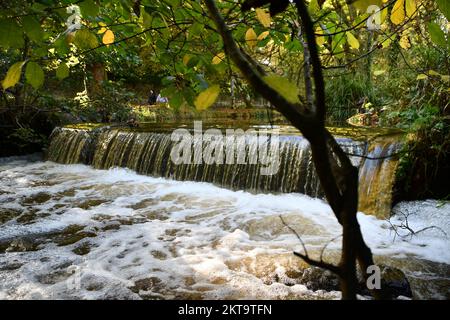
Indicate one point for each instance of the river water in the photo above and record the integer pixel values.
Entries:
(74, 232)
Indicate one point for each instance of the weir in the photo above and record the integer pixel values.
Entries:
(149, 152)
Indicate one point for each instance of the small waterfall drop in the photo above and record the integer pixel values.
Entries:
(149, 153)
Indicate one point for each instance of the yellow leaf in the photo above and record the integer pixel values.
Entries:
(404, 42)
(251, 38)
(207, 98)
(410, 7)
(13, 75)
(421, 76)
(320, 40)
(102, 24)
(386, 42)
(102, 30)
(383, 14)
(378, 72)
(284, 87)
(108, 37)
(218, 58)
(186, 59)
(352, 41)
(433, 73)
(445, 78)
(263, 17)
(263, 35)
(398, 12)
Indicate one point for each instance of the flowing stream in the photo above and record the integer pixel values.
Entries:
(106, 219)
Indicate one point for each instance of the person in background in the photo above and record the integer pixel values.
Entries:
(152, 97)
(161, 99)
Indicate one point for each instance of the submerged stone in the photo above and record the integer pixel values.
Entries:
(38, 198)
(8, 214)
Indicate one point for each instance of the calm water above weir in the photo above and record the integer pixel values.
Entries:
(98, 231)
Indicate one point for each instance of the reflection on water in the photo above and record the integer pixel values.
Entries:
(70, 231)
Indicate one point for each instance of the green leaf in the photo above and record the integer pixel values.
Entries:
(352, 41)
(207, 98)
(62, 72)
(85, 39)
(284, 87)
(61, 45)
(378, 72)
(32, 28)
(421, 76)
(313, 7)
(13, 75)
(362, 5)
(176, 101)
(89, 8)
(34, 74)
(436, 34)
(444, 6)
(10, 34)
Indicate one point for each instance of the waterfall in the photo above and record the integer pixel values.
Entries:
(149, 153)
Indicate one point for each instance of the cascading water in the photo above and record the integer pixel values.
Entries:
(149, 153)
(73, 231)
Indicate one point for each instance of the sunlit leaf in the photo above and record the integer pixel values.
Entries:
(320, 40)
(284, 87)
(313, 7)
(108, 37)
(34, 74)
(411, 7)
(263, 35)
(404, 42)
(378, 72)
(13, 75)
(62, 72)
(251, 38)
(433, 73)
(398, 12)
(102, 30)
(207, 98)
(352, 41)
(422, 76)
(218, 58)
(263, 17)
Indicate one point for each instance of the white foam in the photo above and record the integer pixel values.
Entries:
(190, 238)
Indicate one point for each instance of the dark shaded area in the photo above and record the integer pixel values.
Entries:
(424, 167)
